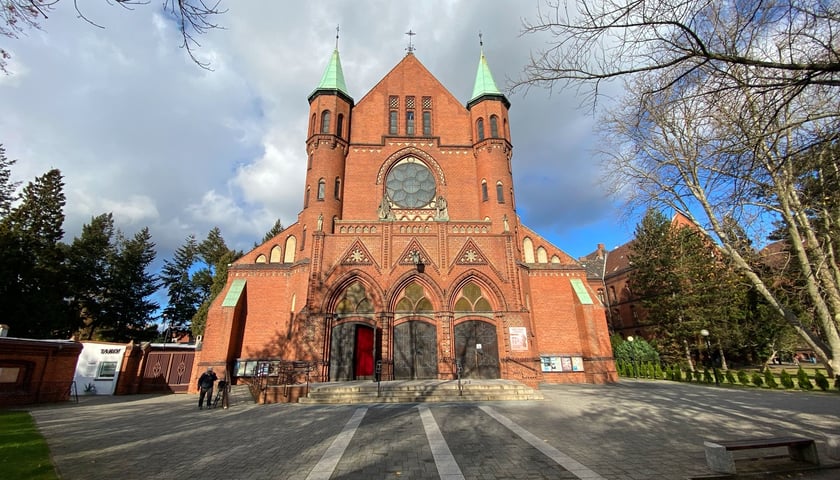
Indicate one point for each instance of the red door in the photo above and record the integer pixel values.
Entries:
(364, 351)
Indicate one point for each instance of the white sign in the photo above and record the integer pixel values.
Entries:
(518, 338)
(478, 346)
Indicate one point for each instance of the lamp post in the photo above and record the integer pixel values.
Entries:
(633, 356)
(705, 334)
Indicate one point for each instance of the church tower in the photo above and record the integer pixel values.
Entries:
(326, 148)
(408, 260)
(488, 109)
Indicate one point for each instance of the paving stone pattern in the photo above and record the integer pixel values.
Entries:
(631, 430)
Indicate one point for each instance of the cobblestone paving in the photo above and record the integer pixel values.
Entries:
(631, 430)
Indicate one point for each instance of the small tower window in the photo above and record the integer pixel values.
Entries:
(427, 124)
(322, 185)
(500, 193)
(479, 127)
(306, 198)
(409, 122)
(339, 126)
(325, 121)
(392, 123)
(303, 239)
(309, 162)
(484, 194)
(312, 125)
(494, 126)
(337, 192)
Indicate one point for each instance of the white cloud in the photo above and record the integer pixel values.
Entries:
(141, 131)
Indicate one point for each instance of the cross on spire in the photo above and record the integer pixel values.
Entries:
(410, 43)
(336, 36)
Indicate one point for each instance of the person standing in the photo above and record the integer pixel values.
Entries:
(205, 385)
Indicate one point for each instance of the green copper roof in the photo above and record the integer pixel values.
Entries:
(333, 78)
(484, 83)
(581, 292)
(233, 294)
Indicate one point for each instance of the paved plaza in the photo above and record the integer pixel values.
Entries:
(630, 430)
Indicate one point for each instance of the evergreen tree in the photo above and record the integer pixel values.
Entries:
(684, 287)
(89, 257)
(7, 187)
(176, 276)
(276, 229)
(131, 288)
(212, 277)
(33, 292)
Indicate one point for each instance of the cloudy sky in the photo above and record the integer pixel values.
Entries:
(139, 130)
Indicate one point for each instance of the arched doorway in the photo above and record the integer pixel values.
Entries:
(477, 349)
(415, 350)
(352, 352)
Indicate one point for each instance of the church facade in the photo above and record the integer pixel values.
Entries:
(408, 259)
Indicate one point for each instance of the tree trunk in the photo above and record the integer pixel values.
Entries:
(769, 360)
(688, 356)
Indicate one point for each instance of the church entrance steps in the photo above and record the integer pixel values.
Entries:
(412, 391)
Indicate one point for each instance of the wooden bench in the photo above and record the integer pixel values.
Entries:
(719, 454)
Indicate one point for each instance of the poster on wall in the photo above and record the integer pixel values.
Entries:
(577, 364)
(566, 362)
(518, 339)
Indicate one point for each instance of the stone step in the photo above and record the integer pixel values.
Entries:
(419, 391)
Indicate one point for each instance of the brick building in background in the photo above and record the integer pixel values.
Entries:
(409, 252)
(609, 273)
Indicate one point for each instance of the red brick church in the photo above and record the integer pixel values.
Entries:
(408, 252)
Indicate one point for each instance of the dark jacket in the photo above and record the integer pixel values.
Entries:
(206, 380)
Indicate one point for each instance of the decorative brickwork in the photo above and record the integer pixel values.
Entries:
(418, 285)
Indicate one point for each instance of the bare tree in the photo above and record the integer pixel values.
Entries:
(194, 18)
(731, 109)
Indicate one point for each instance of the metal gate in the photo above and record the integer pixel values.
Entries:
(477, 349)
(415, 351)
(167, 372)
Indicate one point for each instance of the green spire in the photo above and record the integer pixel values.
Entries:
(484, 84)
(333, 79)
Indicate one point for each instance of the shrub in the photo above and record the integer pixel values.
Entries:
(730, 377)
(707, 376)
(821, 381)
(786, 379)
(678, 374)
(769, 379)
(757, 379)
(697, 376)
(804, 381)
(743, 378)
(657, 371)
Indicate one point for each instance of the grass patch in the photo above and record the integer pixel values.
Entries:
(23, 451)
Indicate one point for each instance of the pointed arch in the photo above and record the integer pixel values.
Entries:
(260, 259)
(336, 290)
(528, 250)
(339, 125)
(276, 255)
(490, 291)
(542, 255)
(479, 129)
(432, 290)
(484, 193)
(291, 241)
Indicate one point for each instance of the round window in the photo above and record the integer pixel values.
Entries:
(410, 185)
